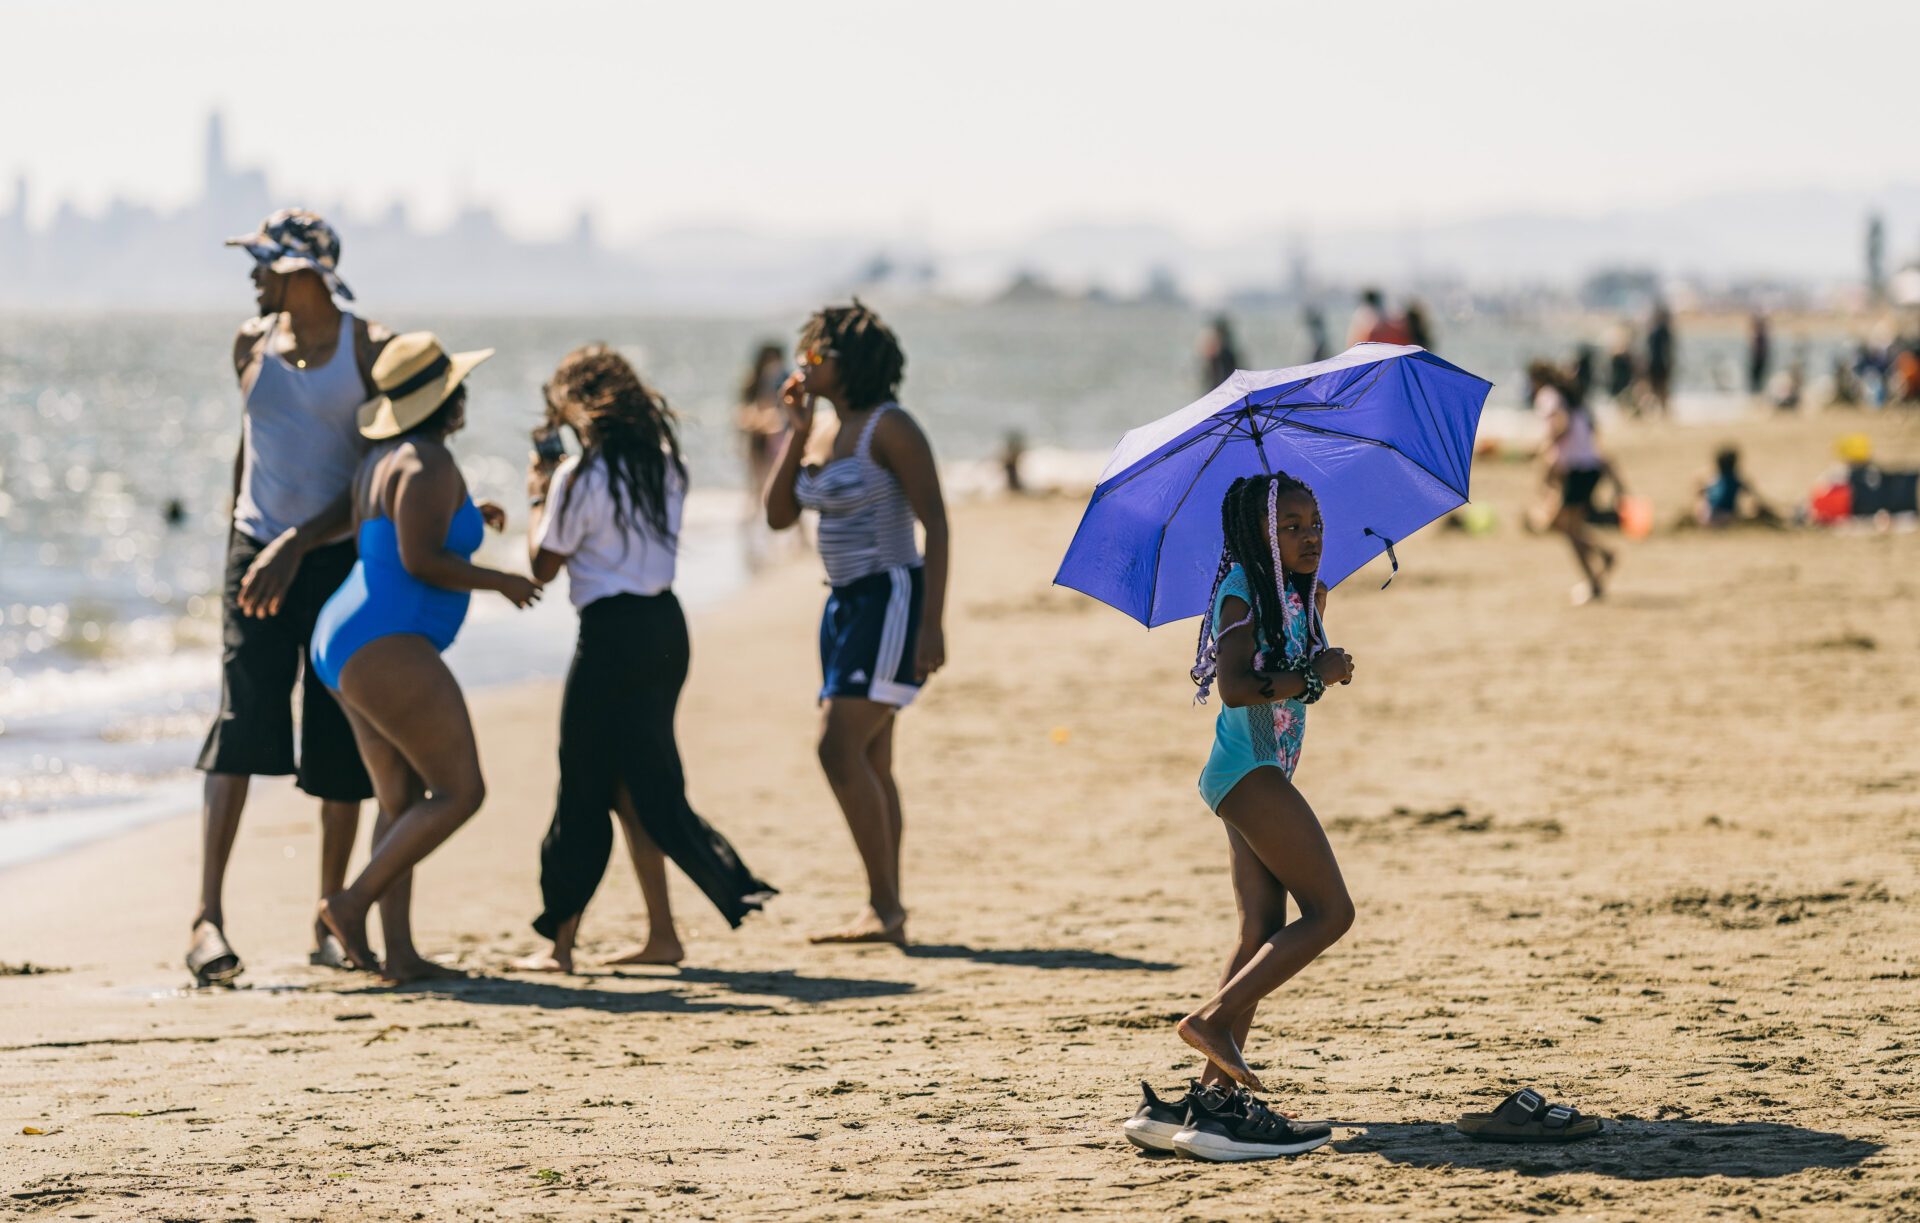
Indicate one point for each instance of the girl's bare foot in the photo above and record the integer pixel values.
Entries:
(544, 961)
(1216, 1044)
(658, 950)
(351, 929)
(869, 927)
(415, 967)
(327, 951)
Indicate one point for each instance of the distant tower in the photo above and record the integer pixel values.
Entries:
(18, 213)
(215, 174)
(1876, 258)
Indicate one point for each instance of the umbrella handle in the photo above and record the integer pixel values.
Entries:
(1390, 556)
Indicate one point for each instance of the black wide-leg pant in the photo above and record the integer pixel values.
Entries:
(616, 724)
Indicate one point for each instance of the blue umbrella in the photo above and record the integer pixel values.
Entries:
(1383, 433)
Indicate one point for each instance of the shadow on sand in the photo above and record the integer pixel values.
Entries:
(1052, 957)
(1626, 1150)
(670, 995)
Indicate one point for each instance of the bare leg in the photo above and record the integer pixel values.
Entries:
(849, 729)
(560, 959)
(398, 787)
(399, 690)
(223, 797)
(339, 828)
(1275, 823)
(650, 866)
(1569, 523)
(880, 757)
(1262, 902)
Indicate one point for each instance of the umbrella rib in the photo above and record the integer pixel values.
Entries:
(1160, 541)
(1144, 466)
(1427, 407)
(1373, 441)
(1379, 372)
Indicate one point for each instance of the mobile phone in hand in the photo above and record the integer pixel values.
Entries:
(548, 445)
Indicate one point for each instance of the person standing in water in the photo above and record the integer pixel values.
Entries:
(1759, 354)
(1218, 356)
(377, 642)
(882, 634)
(1660, 359)
(1317, 342)
(611, 517)
(304, 366)
(1263, 641)
(761, 421)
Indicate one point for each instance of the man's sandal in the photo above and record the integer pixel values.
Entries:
(212, 961)
(1525, 1116)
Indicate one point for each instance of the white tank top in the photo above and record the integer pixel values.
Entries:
(301, 443)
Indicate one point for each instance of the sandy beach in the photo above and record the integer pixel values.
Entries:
(1657, 857)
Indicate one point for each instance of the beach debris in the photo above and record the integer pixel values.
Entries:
(1060, 734)
(27, 968)
(349, 1018)
(383, 1034)
(28, 1129)
(158, 1112)
(546, 1176)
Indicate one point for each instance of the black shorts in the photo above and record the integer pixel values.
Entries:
(1576, 490)
(260, 660)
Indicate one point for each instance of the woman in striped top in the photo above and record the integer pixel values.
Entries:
(881, 635)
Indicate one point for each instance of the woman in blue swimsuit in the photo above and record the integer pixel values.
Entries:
(378, 639)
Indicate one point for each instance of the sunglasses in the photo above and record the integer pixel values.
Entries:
(818, 356)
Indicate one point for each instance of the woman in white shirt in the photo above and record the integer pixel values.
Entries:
(612, 518)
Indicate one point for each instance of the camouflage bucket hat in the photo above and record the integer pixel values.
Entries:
(294, 239)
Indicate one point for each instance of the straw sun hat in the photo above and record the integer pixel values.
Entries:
(415, 375)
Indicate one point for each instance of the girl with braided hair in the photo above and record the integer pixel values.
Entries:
(612, 517)
(1263, 646)
(880, 636)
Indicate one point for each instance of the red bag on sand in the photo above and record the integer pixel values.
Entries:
(1831, 503)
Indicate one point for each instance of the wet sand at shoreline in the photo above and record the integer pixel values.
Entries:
(1656, 857)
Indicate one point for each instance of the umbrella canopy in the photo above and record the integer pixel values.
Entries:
(1383, 433)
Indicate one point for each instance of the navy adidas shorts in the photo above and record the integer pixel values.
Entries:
(867, 638)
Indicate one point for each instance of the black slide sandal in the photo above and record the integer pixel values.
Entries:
(1526, 1116)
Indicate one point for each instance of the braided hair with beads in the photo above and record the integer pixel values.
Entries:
(1252, 503)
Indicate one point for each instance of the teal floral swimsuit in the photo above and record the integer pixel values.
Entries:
(1256, 736)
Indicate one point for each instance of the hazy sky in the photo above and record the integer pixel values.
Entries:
(962, 121)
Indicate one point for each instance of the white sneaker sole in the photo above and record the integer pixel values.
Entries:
(1156, 1136)
(1198, 1144)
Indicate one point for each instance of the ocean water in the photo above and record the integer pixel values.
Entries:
(109, 604)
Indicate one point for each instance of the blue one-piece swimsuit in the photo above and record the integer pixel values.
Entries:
(380, 598)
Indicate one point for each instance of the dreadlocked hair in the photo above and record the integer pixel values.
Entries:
(869, 356)
(625, 424)
(1251, 504)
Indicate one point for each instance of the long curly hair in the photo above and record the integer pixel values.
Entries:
(1251, 503)
(624, 423)
(869, 356)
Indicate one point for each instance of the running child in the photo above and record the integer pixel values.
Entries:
(1264, 644)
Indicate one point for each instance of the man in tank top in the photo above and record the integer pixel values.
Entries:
(305, 366)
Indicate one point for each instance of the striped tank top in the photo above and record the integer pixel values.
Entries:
(866, 523)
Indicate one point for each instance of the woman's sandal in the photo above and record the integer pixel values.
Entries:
(1525, 1116)
(212, 961)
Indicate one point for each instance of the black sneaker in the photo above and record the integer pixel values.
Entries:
(1153, 1127)
(1241, 1127)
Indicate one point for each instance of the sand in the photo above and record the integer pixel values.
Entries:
(1656, 857)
